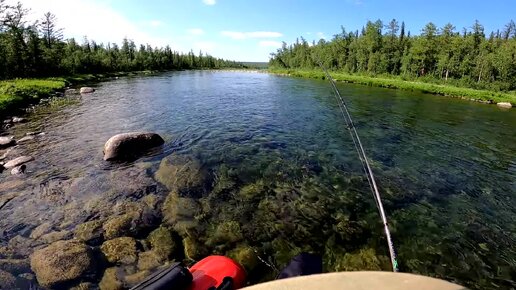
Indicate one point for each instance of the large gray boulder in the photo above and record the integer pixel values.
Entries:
(129, 145)
(61, 262)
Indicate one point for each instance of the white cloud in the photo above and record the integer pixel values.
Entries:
(209, 2)
(96, 20)
(254, 34)
(195, 31)
(155, 23)
(270, 43)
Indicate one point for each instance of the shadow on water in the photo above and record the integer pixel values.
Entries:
(283, 174)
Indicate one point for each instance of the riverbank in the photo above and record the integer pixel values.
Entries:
(20, 93)
(484, 96)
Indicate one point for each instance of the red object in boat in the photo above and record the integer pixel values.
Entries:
(211, 271)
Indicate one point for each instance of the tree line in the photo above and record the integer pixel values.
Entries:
(38, 49)
(444, 55)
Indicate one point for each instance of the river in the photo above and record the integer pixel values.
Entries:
(283, 176)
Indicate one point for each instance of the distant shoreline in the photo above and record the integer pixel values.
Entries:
(482, 96)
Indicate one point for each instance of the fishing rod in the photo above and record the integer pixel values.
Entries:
(365, 164)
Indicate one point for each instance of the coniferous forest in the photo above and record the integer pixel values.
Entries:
(470, 57)
(38, 49)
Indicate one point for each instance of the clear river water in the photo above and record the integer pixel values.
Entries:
(283, 176)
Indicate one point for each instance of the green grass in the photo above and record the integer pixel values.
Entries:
(445, 90)
(20, 92)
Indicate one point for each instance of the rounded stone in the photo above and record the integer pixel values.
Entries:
(120, 250)
(128, 145)
(86, 90)
(60, 262)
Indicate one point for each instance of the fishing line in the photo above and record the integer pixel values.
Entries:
(365, 165)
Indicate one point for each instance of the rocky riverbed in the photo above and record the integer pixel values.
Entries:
(145, 215)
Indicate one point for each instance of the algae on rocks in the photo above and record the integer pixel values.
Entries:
(181, 213)
(89, 232)
(162, 242)
(61, 262)
(120, 250)
(183, 174)
(111, 280)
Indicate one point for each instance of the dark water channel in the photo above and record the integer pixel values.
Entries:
(282, 175)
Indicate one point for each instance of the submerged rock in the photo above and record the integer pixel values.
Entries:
(111, 280)
(19, 170)
(226, 232)
(120, 250)
(7, 280)
(26, 139)
(86, 90)
(182, 174)
(245, 256)
(5, 153)
(61, 262)
(181, 212)
(41, 230)
(365, 259)
(7, 141)
(18, 161)
(149, 260)
(128, 145)
(55, 236)
(133, 279)
(506, 105)
(118, 226)
(193, 249)
(162, 242)
(89, 232)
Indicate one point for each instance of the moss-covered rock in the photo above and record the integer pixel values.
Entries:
(149, 260)
(193, 249)
(133, 279)
(55, 236)
(363, 260)
(60, 262)
(89, 232)
(7, 280)
(226, 232)
(111, 280)
(151, 200)
(118, 226)
(136, 218)
(41, 230)
(120, 250)
(162, 242)
(181, 212)
(245, 256)
(182, 174)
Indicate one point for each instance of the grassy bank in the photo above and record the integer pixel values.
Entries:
(19, 93)
(15, 94)
(451, 91)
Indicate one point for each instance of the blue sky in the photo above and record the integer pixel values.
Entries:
(247, 30)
